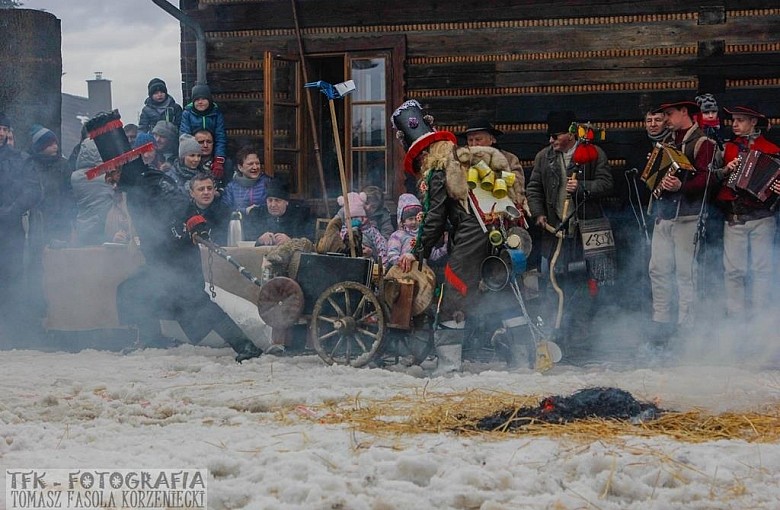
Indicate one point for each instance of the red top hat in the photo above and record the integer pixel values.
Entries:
(416, 132)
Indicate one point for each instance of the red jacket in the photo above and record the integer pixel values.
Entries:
(727, 197)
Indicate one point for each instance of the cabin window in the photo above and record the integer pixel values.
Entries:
(368, 105)
(301, 142)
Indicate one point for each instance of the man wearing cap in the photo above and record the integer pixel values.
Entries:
(166, 138)
(281, 219)
(673, 264)
(21, 190)
(557, 178)
(749, 228)
(481, 133)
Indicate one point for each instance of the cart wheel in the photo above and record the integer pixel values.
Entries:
(347, 324)
(280, 302)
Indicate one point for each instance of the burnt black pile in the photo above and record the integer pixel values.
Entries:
(609, 403)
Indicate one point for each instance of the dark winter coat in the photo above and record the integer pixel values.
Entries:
(153, 112)
(183, 250)
(21, 190)
(212, 119)
(468, 245)
(156, 206)
(181, 176)
(52, 218)
(295, 222)
(543, 189)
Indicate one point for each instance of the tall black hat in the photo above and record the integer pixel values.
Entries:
(112, 144)
(415, 131)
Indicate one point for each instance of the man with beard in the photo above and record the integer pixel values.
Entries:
(21, 190)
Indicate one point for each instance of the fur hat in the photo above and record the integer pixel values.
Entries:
(559, 122)
(415, 131)
(188, 145)
(357, 203)
(166, 129)
(157, 85)
(408, 206)
(201, 91)
(4, 120)
(481, 124)
(707, 103)
(278, 188)
(40, 138)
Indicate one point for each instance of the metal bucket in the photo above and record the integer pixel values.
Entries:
(496, 270)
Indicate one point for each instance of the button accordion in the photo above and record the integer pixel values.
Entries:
(755, 174)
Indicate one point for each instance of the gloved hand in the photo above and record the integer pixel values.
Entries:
(197, 225)
(218, 167)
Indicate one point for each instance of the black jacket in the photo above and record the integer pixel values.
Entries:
(295, 222)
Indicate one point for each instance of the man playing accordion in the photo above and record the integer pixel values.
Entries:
(749, 228)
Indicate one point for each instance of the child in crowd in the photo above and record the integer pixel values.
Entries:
(374, 245)
(203, 113)
(249, 186)
(187, 166)
(401, 243)
(158, 106)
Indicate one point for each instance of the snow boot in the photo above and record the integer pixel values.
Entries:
(449, 350)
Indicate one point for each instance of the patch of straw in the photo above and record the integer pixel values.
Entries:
(425, 412)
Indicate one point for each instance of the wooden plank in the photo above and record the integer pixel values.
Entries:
(278, 14)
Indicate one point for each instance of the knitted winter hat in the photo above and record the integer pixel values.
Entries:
(142, 139)
(4, 120)
(89, 156)
(188, 145)
(201, 92)
(357, 202)
(156, 85)
(408, 206)
(41, 138)
(707, 103)
(166, 129)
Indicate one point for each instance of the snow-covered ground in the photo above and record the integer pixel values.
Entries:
(251, 426)
(257, 428)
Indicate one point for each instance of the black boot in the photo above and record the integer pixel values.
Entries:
(247, 351)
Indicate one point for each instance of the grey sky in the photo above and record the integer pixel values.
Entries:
(129, 41)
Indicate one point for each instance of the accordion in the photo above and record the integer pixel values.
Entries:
(755, 174)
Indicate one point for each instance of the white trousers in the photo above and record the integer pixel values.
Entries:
(673, 269)
(748, 250)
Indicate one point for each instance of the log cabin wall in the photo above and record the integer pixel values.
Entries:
(511, 61)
